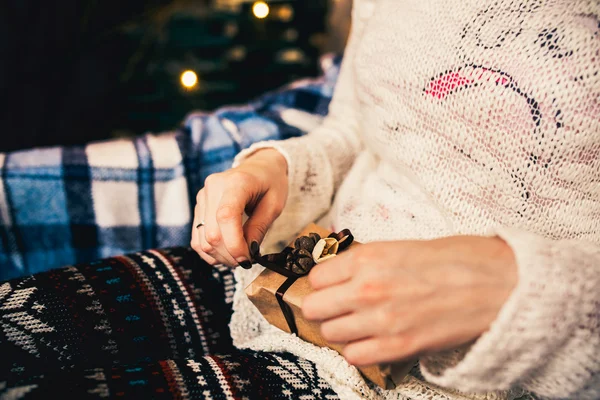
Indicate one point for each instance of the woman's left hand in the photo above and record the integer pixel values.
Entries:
(390, 301)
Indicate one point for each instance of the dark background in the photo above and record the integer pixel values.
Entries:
(72, 71)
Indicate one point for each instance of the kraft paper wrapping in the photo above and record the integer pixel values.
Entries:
(261, 293)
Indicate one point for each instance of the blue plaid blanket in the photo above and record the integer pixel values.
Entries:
(65, 205)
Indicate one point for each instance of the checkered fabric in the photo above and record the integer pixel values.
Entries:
(60, 205)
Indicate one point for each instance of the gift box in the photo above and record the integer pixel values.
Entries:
(278, 292)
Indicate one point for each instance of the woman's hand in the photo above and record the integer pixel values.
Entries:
(257, 187)
(395, 300)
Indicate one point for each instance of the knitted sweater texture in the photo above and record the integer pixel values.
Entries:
(476, 117)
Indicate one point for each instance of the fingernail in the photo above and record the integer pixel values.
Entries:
(254, 247)
(245, 264)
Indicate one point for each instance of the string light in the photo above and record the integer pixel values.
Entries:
(189, 79)
(285, 13)
(260, 9)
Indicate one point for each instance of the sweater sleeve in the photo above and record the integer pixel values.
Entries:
(546, 338)
(318, 162)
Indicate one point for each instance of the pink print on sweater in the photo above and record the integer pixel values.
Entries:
(452, 81)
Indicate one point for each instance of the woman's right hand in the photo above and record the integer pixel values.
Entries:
(258, 187)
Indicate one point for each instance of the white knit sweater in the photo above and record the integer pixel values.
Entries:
(465, 117)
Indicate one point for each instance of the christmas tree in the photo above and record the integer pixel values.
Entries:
(229, 53)
(81, 70)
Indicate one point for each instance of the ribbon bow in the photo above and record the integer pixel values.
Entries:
(276, 262)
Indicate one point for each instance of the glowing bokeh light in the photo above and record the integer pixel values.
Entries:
(260, 9)
(189, 79)
(285, 13)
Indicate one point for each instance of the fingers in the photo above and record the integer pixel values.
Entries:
(382, 349)
(198, 243)
(332, 272)
(220, 206)
(263, 216)
(212, 231)
(361, 324)
(328, 303)
(417, 332)
(229, 216)
(259, 186)
(430, 336)
(347, 328)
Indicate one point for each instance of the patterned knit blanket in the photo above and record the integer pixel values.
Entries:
(65, 205)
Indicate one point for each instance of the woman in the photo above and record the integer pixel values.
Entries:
(462, 146)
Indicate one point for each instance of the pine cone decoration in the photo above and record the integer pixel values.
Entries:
(299, 261)
(305, 243)
(307, 252)
(314, 236)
